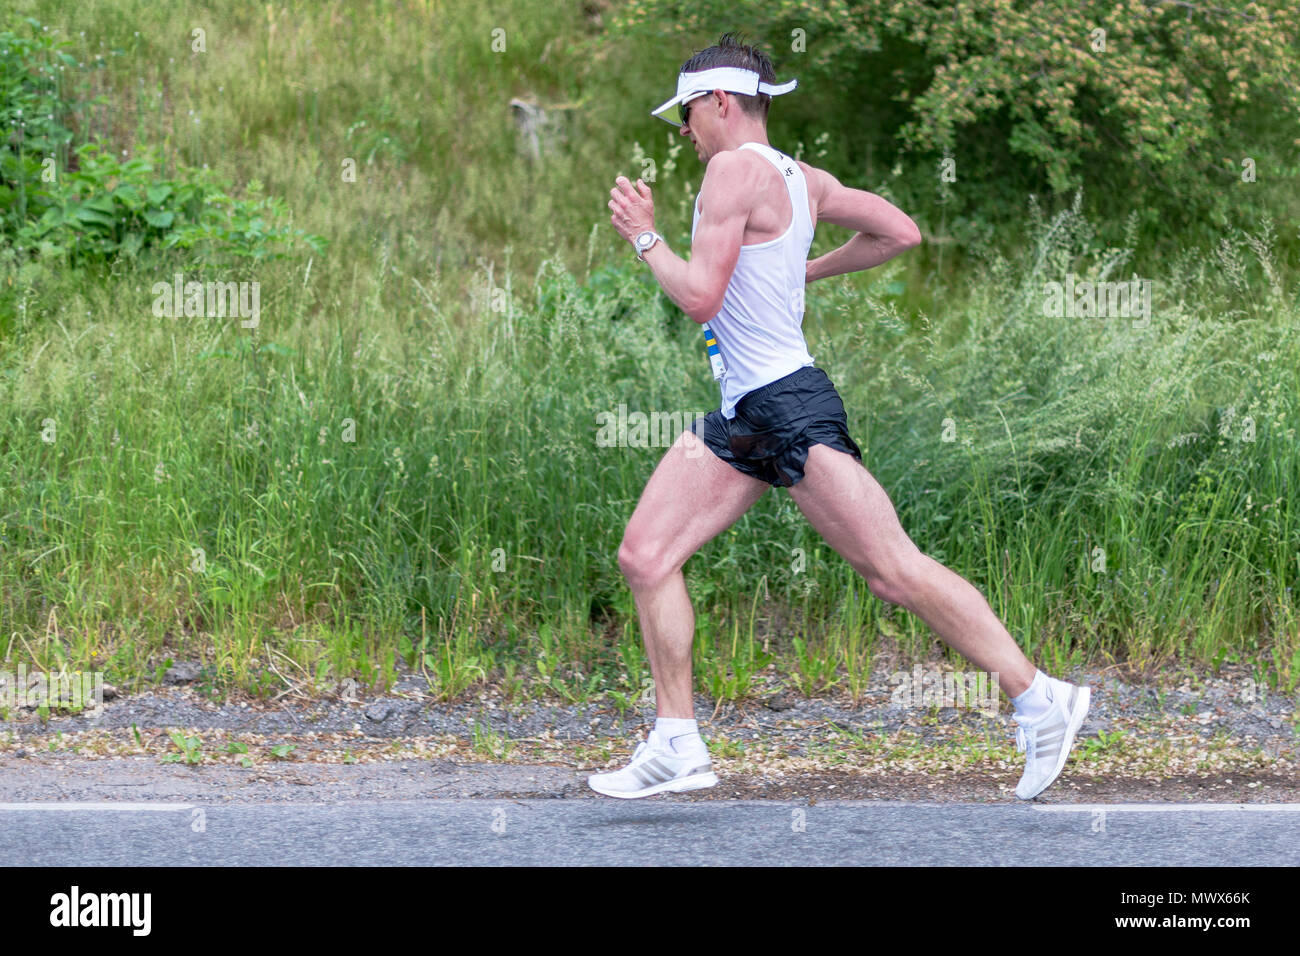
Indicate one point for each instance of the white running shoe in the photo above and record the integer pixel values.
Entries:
(656, 768)
(1048, 739)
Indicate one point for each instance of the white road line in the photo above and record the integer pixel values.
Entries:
(129, 807)
(1168, 807)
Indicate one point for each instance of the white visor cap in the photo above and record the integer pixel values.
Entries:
(733, 79)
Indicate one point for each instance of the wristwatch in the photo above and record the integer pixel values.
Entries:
(644, 241)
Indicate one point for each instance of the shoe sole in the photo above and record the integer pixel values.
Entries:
(697, 781)
(1072, 728)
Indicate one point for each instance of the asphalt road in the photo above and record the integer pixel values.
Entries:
(629, 833)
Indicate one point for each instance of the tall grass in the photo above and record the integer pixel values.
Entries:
(392, 484)
(401, 463)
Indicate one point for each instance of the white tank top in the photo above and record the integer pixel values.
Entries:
(759, 330)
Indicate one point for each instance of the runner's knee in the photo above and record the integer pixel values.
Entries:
(893, 583)
(641, 562)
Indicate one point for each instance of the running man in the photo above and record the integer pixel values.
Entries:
(781, 421)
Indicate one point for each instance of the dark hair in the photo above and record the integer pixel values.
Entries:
(733, 51)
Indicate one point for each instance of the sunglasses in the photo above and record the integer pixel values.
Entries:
(684, 110)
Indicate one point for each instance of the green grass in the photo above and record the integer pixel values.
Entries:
(399, 465)
(189, 749)
(490, 743)
(200, 497)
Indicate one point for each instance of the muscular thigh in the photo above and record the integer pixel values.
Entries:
(692, 496)
(849, 508)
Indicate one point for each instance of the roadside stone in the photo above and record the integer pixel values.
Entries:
(182, 673)
(378, 712)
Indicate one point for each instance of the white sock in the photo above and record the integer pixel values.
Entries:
(680, 734)
(1034, 702)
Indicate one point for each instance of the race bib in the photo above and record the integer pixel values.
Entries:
(715, 357)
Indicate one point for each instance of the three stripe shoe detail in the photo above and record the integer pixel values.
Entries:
(656, 768)
(1046, 742)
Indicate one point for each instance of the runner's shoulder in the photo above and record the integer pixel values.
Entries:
(737, 173)
(819, 180)
(735, 162)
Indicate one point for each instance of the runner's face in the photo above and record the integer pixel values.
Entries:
(686, 110)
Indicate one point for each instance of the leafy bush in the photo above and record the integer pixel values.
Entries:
(1156, 112)
(110, 207)
(104, 206)
(32, 115)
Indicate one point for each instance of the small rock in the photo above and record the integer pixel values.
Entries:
(182, 673)
(20, 753)
(780, 702)
(110, 692)
(378, 712)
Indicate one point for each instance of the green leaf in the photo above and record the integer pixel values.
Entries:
(159, 219)
(128, 195)
(104, 204)
(93, 216)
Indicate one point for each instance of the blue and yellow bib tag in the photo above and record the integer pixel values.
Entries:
(715, 357)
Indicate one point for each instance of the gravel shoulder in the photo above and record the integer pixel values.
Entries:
(1186, 739)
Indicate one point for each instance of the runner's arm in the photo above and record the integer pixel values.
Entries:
(883, 230)
(698, 285)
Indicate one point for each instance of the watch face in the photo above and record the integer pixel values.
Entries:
(644, 240)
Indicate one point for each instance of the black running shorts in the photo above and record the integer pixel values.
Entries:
(776, 424)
